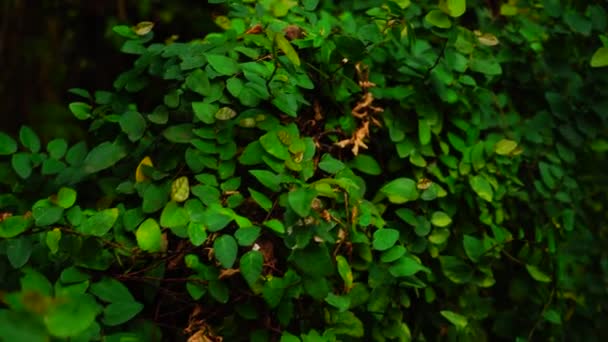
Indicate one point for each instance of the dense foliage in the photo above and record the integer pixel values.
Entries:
(324, 172)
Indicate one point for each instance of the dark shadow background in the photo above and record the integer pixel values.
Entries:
(50, 46)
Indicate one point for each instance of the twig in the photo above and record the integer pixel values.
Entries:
(428, 72)
(542, 313)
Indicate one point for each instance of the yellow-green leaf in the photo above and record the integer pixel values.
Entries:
(284, 45)
(180, 189)
(139, 175)
(600, 58)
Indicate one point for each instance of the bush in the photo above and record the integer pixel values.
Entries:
(324, 172)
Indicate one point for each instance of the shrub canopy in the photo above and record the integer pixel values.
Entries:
(324, 172)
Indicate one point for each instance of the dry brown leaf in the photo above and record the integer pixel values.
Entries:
(228, 273)
(257, 28)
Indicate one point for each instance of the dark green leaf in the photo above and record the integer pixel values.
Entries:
(251, 266)
(121, 312)
(57, 148)
(133, 124)
(22, 164)
(385, 238)
(300, 200)
(225, 249)
(366, 164)
(103, 156)
(29, 139)
(222, 64)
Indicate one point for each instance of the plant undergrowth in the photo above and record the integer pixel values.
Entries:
(324, 171)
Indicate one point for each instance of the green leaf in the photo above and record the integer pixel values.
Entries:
(314, 261)
(111, 290)
(505, 146)
(552, 316)
(440, 219)
(366, 164)
(197, 233)
(18, 326)
(346, 323)
(66, 197)
(400, 190)
(133, 124)
(76, 154)
(100, 223)
(508, 10)
(174, 216)
(205, 111)
(268, 179)
(198, 82)
(537, 274)
(261, 199)
(488, 66)
(458, 320)
(155, 198)
(252, 154)
(234, 86)
(7, 144)
(18, 251)
(149, 236)
(439, 19)
(29, 139)
(300, 200)
(121, 312)
(473, 247)
(222, 64)
(287, 337)
(34, 281)
(225, 249)
(275, 225)
(271, 144)
(287, 103)
(81, 110)
(599, 58)
(22, 164)
(330, 164)
(195, 290)
(14, 225)
(403, 4)
(310, 5)
(57, 148)
(103, 156)
(180, 134)
(71, 275)
(71, 316)
(453, 8)
(46, 214)
(406, 266)
(568, 219)
(456, 269)
(246, 236)
(219, 291)
(251, 265)
(342, 303)
(385, 238)
(217, 218)
(482, 187)
(52, 240)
